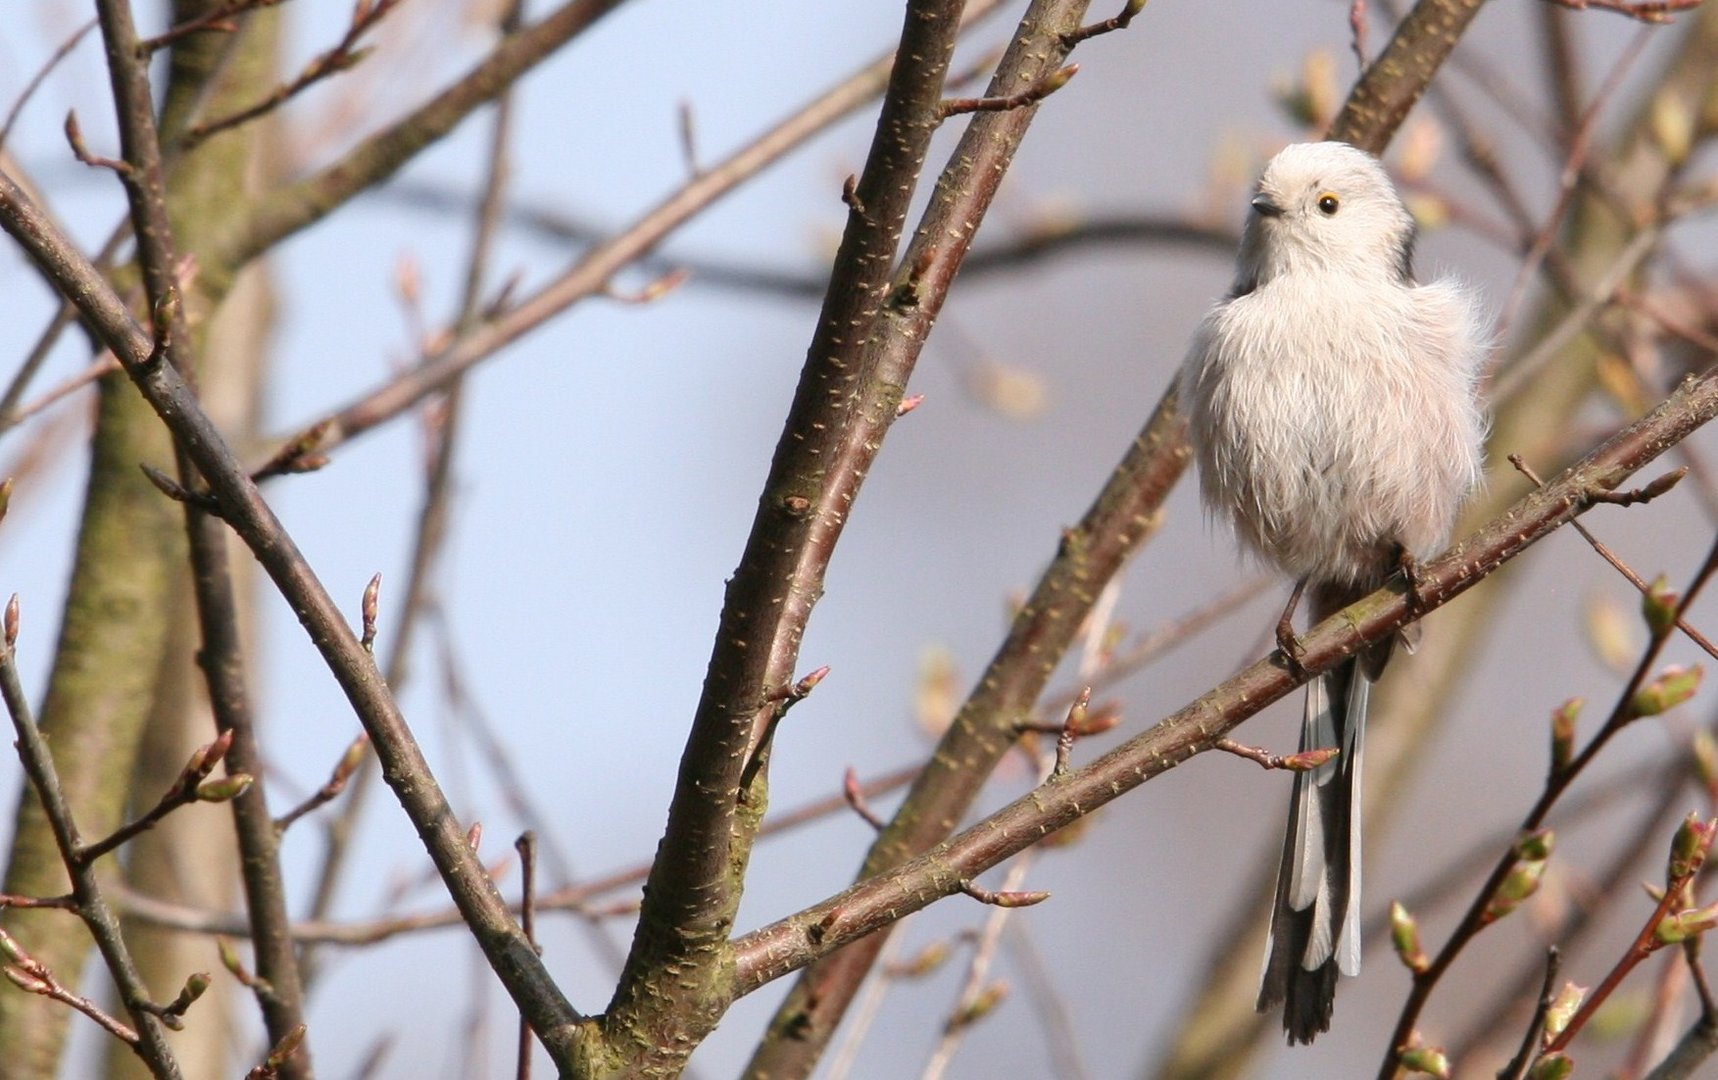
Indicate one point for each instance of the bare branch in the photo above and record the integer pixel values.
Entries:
(1646, 11)
(511, 956)
(148, 1039)
(591, 274)
(878, 900)
(1032, 95)
(222, 651)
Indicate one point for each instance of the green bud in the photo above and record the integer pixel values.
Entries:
(1405, 936)
(1552, 1067)
(1676, 685)
(225, 789)
(1536, 846)
(1428, 1060)
(1689, 846)
(1533, 852)
(286, 1047)
(1705, 751)
(1658, 606)
(1683, 925)
(229, 956)
(924, 962)
(981, 1004)
(1673, 125)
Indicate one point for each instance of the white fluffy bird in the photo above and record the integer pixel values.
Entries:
(1332, 409)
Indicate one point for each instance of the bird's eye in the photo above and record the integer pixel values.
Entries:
(1328, 204)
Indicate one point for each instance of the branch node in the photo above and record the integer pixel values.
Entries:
(850, 195)
(171, 488)
(298, 455)
(1305, 761)
(1643, 494)
(1032, 95)
(75, 138)
(372, 593)
(855, 797)
(1117, 22)
(1002, 899)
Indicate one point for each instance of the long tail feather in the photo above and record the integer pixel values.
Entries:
(1315, 919)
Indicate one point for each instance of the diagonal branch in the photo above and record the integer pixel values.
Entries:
(591, 273)
(876, 902)
(302, 204)
(519, 967)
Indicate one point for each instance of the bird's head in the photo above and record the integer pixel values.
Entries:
(1326, 207)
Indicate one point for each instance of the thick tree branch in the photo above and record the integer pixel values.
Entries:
(675, 979)
(1122, 518)
(877, 902)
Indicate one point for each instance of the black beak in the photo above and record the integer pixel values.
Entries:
(1263, 205)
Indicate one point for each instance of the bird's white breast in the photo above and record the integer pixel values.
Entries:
(1334, 422)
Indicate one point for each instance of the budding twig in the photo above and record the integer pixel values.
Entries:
(1032, 95)
(186, 789)
(1644, 494)
(855, 796)
(355, 755)
(1006, 898)
(32, 976)
(785, 698)
(1116, 22)
(1305, 761)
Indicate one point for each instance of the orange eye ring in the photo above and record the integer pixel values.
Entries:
(1328, 203)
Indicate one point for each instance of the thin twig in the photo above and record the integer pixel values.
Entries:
(591, 274)
(343, 56)
(218, 18)
(148, 1039)
(41, 76)
(1646, 11)
(1357, 33)
(32, 976)
(356, 753)
(1517, 1066)
(1609, 556)
(576, 898)
(1032, 95)
(222, 651)
(182, 792)
(1557, 782)
(977, 996)
(1579, 143)
(1120, 21)
(526, 845)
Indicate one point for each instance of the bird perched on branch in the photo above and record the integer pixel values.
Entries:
(1331, 404)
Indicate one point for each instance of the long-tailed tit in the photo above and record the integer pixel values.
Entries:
(1332, 408)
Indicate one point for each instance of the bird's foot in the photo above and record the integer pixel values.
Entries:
(1291, 647)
